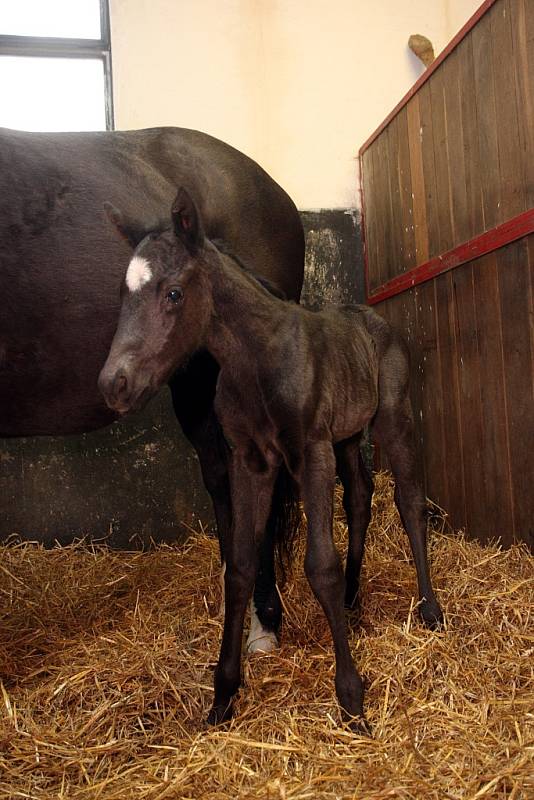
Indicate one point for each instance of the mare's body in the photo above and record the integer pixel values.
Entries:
(295, 390)
(62, 264)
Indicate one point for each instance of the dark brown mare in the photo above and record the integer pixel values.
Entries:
(62, 265)
(295, 389)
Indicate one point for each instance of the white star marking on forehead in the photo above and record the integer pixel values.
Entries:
(138, 273)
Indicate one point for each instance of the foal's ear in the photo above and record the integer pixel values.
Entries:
(132, 231)
(186, 221)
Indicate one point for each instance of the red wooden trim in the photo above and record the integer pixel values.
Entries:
(481, 245)
(471, 22)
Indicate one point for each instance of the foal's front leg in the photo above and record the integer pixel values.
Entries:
(325, 574)
(251, 503)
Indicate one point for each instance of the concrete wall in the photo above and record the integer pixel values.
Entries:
(190, 63)
(296, 84)
(457, 12)
(128, 484)
(334, 258)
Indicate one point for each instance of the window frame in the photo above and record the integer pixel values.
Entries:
(61, 47)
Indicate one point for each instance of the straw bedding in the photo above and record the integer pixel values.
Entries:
(107, 660)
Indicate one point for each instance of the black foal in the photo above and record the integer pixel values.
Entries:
(296, 388)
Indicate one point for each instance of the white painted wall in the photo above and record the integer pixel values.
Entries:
(190, 63)
(457, 12)
(296, 84)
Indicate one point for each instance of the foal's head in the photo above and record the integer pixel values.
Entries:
(165, 307)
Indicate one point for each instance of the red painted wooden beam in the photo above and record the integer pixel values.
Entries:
(487, 242)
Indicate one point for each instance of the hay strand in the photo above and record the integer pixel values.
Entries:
(106, 660)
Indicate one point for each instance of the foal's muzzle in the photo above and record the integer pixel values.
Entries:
(121, 390)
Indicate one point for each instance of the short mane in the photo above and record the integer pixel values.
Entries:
(224, 249)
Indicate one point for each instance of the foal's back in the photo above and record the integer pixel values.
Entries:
(344, 349)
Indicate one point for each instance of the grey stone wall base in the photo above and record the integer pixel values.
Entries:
(133, 482)
(334, 258)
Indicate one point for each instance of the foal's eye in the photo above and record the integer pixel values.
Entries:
(174, 295)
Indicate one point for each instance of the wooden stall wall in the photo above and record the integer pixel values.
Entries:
(448, 197)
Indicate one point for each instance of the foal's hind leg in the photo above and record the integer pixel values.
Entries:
(393, 427)
(357, 495)
(324, 572)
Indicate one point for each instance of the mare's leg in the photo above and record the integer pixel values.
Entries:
(324, 571)
(193, 392)
(394, 429)
(265, 607)
(251, 496)
(357, 495)
(284, 519)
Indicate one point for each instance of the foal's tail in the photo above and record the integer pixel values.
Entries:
(285, 517)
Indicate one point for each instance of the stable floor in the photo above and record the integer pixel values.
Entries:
(106, 660)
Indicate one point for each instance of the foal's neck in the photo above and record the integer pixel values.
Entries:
(245, 317)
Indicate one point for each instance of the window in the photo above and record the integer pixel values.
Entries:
(55, 65)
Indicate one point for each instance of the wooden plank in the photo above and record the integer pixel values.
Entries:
(381, 202)
(441, 161)
(522, 16)
(382, 168)
(407, 309)
(468, 99)
(478, 522)
(370, 219)
(453, 450)
(530, 300)
(394, 267)
(513, 199)
(455, 151)
(428, 377)
(418, 180)
(487, 242)
(487, 119)
(515, 305)
(429, 170)
(460, 156)
(496, 452)
(405, 188)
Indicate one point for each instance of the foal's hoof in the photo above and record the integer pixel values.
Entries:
(352, 604)
(431, 614)
(354, 612)
(219, 715)
(359, 726)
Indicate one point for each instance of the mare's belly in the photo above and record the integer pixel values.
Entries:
(48, 384)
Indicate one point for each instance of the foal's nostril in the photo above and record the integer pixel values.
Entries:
(121, 386)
